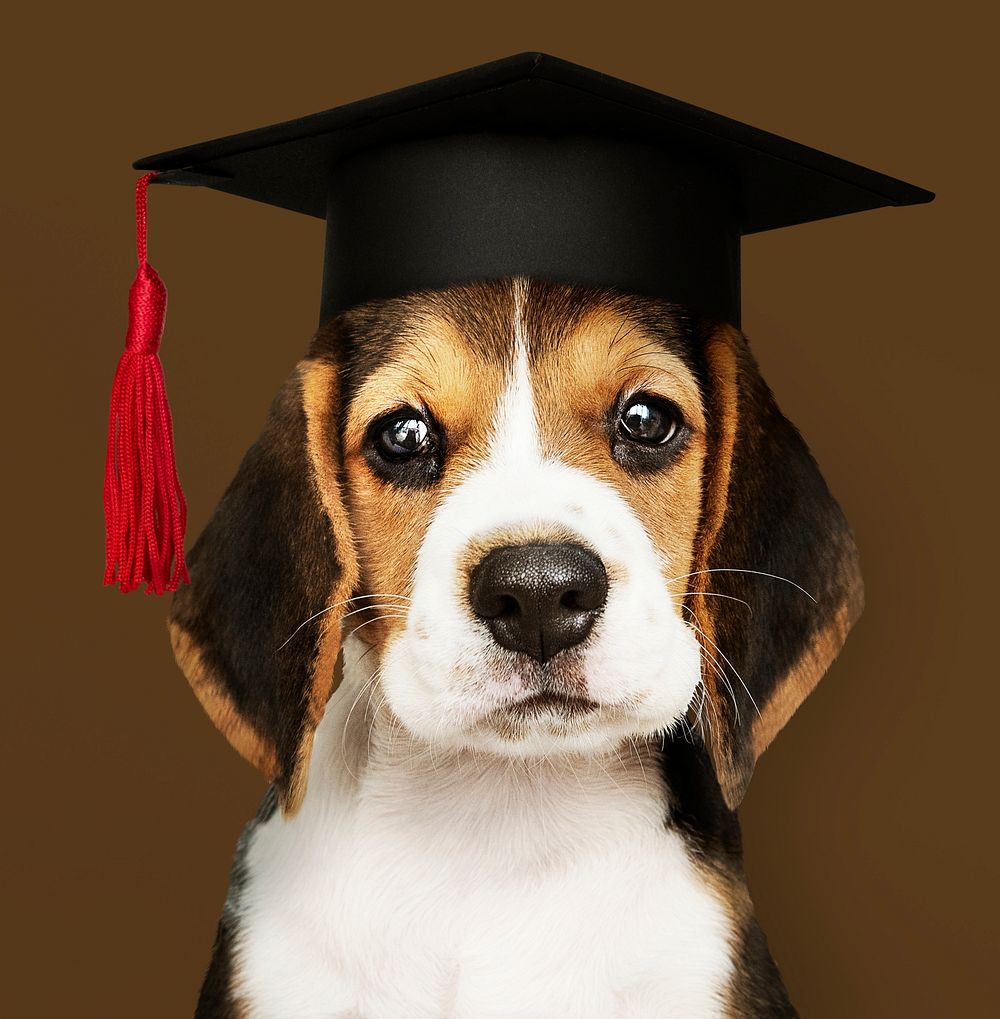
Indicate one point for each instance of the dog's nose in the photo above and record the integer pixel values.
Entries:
(539, 599)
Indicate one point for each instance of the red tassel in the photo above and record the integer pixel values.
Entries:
(144, 509)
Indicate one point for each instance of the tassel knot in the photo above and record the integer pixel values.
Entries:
(144, 509)
(147, 311)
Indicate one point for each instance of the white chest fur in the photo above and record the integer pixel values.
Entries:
(463, 888)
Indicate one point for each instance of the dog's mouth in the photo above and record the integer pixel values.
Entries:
(549, 702)
(546, 711)
(554, 718)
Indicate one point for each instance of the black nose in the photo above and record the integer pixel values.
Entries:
(539, 599)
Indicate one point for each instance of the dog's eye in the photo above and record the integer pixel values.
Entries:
(405, 448)
(403, 436)
(649, 420)
(647, 433)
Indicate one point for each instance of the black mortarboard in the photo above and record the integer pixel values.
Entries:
(527, 166)
(533, 166)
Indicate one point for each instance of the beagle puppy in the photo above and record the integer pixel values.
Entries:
(580, 571)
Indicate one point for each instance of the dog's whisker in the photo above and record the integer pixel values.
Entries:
(715, 594)
(614, 750)
(638, 756)
(759, 573)
(610, 777)
(372, 608)
(709, 707)
(376, 674)
(371, 728)
(306, 622)
(736, 671)
(367, 652)
(687, 733)
(720, 672)
(377, 619)
(347, 723)
(337, 604)
(701, 693)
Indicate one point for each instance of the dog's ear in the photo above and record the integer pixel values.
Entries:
(277, 552)
(766, 514)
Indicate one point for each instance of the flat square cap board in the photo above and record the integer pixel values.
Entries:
(532, 166)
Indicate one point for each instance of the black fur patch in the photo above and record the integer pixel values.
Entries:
(215, 1000)
(698, 808)
(757, 990)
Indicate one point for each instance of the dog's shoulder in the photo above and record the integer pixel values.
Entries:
(713, 833)
(216, 999)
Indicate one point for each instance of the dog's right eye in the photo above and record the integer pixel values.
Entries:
(403, 436)
(405, 447)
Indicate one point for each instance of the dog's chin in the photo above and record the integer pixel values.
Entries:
(544, 736)
(542, 726)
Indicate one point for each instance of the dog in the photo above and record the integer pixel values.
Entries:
(580, 570)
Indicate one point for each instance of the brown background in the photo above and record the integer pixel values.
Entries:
(870, 836)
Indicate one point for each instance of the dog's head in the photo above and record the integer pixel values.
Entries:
(561, 519)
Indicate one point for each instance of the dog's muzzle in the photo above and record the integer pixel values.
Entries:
(539, 599)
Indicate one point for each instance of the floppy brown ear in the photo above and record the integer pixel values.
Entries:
(276, 552)
(766, 511)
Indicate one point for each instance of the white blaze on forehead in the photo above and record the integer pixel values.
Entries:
(515, 439)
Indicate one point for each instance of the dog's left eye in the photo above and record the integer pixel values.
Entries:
(648, 433)
(403, 436)
(405, 448)
(649, 420)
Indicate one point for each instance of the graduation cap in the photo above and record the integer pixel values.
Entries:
(527, 166)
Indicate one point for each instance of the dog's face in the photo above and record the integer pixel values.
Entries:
(560, 519)
(524, 486)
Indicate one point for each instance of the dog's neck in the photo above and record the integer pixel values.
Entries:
(421, 870)
(537, 808)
